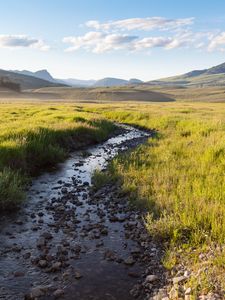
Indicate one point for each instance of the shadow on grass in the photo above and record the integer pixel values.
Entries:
(23, 156)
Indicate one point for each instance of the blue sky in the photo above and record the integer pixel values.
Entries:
(94, 38)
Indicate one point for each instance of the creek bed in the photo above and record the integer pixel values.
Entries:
(63, 241)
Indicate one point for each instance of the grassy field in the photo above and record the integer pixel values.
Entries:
(179, 176)
(33, 137)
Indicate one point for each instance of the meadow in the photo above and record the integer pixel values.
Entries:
(37, 136)
(178, 174)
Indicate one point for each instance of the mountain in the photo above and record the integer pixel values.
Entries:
(41, 74)
(77, 82)
(109, 82)
(45, 75)
(27, 81)
(135, 81)
(214, 76)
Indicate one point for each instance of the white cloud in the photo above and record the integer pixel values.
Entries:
(152, 42)
(167, 34)
(99, 42)
(147, 24)
(217, 42)
(167, 43)
(22, 41)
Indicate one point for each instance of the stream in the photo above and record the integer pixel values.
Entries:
(67, 242)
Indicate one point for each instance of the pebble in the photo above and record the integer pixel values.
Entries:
(179, 279)
(19, 274)
(129, 261)
(37, 292)
(58, 293)
(41, 242)
(151, 278)
(42, 263)
(77, 275)
(56, 266)
(188, 291)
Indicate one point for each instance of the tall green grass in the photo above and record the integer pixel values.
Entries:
(180, 176)
(34, 137)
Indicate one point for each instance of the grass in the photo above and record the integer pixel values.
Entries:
(179, 175)
(33, 137)
(10, 187)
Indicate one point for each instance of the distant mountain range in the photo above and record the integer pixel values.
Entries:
(42, 74)
(214, 76)
(105, 82)
(77, 82)
(108, 81)
(27, 81)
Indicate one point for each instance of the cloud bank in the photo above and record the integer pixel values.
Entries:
(149, 33)
(217, 42)
(147, 24)
(100, 42)
(130, 35)
(22, 41)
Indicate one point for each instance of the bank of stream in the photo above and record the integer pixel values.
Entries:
(69, 243)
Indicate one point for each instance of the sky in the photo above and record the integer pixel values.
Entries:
(92, 39)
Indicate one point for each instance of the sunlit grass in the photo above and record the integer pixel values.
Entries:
(33, 137)
(180, 176)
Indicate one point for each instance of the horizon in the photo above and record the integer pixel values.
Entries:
(96, 79)
(120, 39)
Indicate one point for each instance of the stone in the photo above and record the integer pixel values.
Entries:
(187, 273)
(16, 248)
(19, 222)
(173, 294)
(104, 231)
(188, 291)
(47, 235)
(151, 278)
(136, 251)
(42, 263)
(133, 274)
(58, 293)
(56, 266)
(41, 242)
(177, 280)
(19, 274)
(77, 275)
(64, 190)
(37, 292)
(27, 255)
(129, 261)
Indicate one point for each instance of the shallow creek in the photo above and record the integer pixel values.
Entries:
(62, 239)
